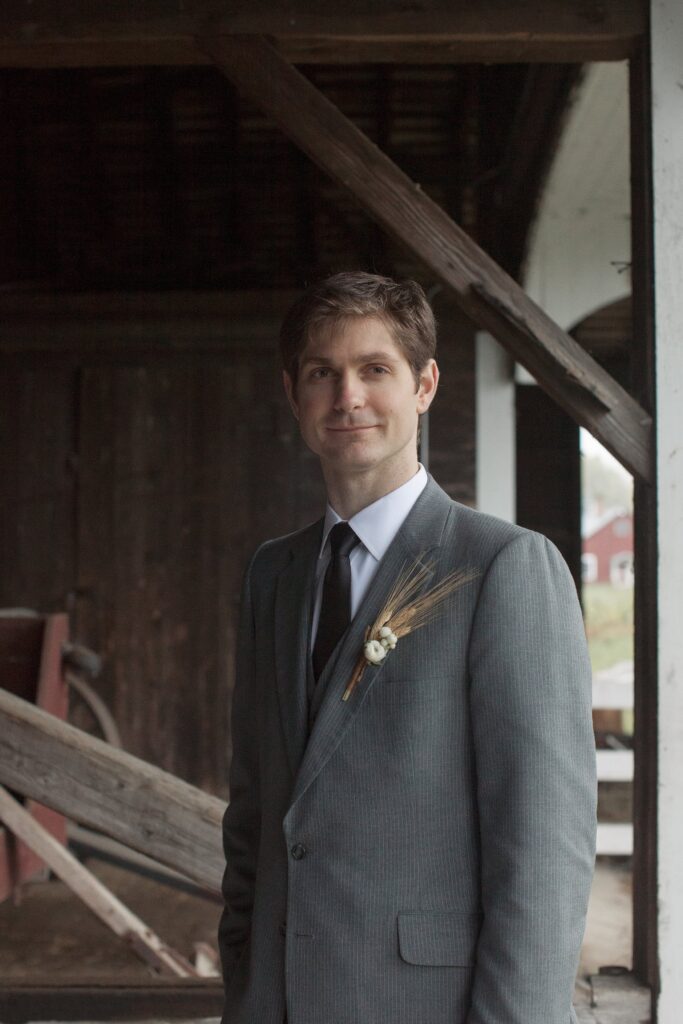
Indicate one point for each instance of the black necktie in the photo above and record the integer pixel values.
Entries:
(335, 609)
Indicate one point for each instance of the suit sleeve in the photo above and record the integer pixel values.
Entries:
(241, 822)
(536, 784)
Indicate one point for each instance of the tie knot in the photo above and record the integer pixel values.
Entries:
(342, 540)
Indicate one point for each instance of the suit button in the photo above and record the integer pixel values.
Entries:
(283, 928)
(298, 851)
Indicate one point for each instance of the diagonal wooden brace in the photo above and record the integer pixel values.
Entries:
(107, 789)
(486, 293)
(110, 910)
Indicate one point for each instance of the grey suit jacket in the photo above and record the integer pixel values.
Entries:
(423, 853)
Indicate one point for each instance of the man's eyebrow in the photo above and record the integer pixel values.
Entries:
(367, 357)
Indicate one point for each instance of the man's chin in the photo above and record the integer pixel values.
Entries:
(351, 457)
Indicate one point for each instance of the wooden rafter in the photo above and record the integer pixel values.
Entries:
(484, 291)
(73, 34)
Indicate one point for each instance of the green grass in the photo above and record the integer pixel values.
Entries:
(608, 612)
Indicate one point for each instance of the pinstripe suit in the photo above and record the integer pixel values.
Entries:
(421, 854)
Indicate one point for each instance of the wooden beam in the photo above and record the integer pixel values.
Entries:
(73, 34)
(125, 999)
(493, 300)
(107, 789)
(645, 789)
(110, 910)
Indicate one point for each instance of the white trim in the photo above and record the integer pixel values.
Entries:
(667, 169)
(614, 840)
(615, 765)
(580, 242)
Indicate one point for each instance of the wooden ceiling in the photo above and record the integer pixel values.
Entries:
(70, 33)
(162, 177)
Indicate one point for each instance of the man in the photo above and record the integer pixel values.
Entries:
(418, 850)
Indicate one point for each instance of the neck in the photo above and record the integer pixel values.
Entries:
(349, 493)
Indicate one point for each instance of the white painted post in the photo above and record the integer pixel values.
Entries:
(667, 157)
(496, 429)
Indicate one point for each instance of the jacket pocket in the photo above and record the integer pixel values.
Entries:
(438, 938)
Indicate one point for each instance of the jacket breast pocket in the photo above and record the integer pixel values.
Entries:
(438, 938)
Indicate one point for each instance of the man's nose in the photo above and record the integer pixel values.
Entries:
(349, 393)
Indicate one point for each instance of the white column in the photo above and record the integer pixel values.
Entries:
(667, 157)
(495, 433)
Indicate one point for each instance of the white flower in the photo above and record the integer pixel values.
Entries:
(374, 652)
(388, 638)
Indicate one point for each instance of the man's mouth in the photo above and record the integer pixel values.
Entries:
(352, 429)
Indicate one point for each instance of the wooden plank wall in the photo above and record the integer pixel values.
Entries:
(549, 473)
(133, 494)
(37, 487)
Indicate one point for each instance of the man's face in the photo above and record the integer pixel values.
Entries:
(356, 398)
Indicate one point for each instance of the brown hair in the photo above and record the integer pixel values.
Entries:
(401, 306)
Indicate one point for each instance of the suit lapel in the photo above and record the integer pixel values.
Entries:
(420, 534)
(293, 602)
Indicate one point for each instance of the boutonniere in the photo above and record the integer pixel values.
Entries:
(404, 611)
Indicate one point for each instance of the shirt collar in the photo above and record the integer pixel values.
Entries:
(376, 525)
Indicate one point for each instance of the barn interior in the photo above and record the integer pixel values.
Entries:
(156, 226)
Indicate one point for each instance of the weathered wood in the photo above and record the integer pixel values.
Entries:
(645, 789)
(126, 798)
(168, 999)
(37, 552)
(86, 844)
(166, 448)
(31, 668)
(484, 291)
(52, 696)
(163, 447)
(147, 32)
(110, 910)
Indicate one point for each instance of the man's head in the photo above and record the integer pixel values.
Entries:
(359, 372)
(401, 306)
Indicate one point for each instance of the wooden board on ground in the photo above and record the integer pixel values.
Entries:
(110, 910)
(170, 999)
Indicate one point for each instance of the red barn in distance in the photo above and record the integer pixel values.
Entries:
(607, 551)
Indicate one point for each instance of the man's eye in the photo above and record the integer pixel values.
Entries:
(378, 370)
(320, 372)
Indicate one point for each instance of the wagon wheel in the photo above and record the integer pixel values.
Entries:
(79, 662)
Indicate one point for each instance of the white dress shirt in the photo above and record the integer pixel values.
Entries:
(376, 526)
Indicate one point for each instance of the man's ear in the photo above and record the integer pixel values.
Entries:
(429, 380)
(290, 391)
